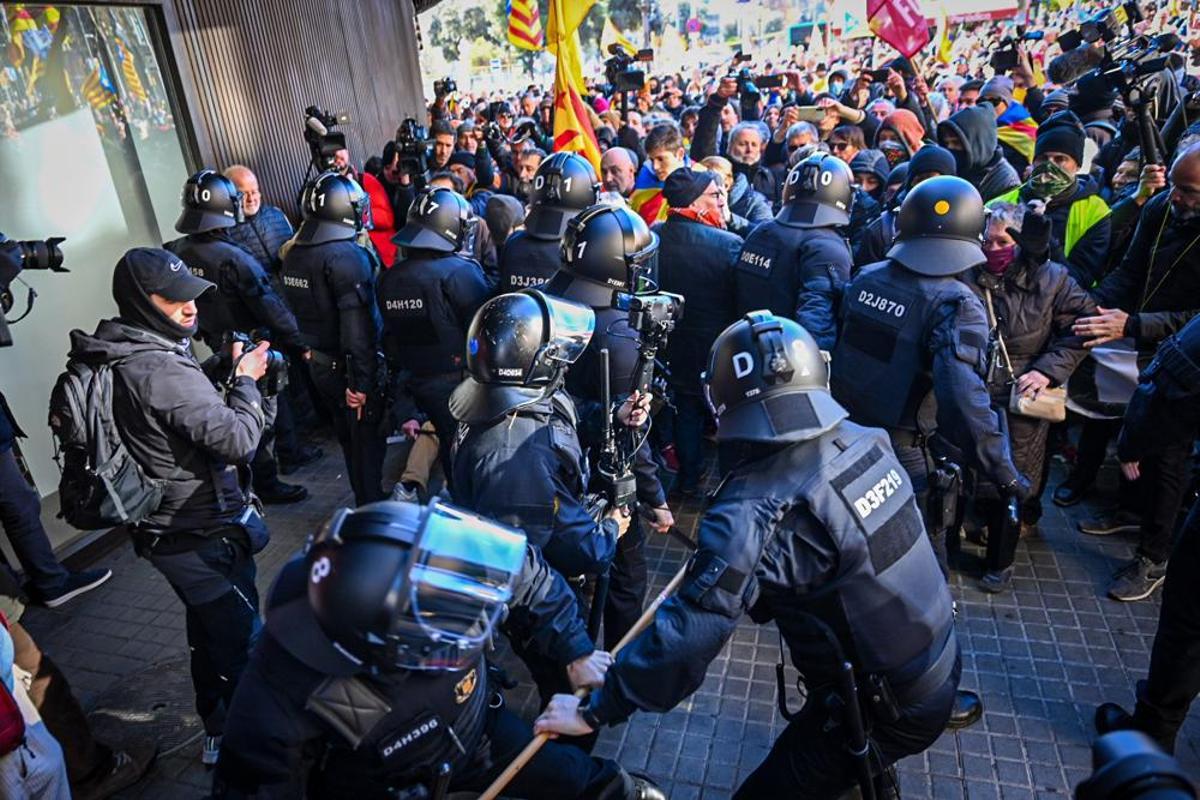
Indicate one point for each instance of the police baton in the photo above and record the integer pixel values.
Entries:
(531, 749)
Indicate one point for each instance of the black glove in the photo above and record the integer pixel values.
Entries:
(1034, 237)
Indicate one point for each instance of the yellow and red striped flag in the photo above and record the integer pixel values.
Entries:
(97, 89)
(524, 25)
(572, 127)
(133, 82)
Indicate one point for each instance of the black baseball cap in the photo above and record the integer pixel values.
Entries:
(161, 272)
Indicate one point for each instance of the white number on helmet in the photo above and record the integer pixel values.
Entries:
(826, 178)
(320, 569)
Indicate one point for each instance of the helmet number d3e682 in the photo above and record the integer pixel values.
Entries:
(320, 569)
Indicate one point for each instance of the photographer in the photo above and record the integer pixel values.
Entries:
(182, 432)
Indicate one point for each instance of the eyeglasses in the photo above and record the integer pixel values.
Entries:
(839, 145)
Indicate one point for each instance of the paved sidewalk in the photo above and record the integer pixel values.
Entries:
(1042, 657)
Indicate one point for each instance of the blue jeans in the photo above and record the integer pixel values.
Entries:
(20, 514)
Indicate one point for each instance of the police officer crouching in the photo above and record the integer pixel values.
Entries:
(428, 299)
(912, 354)
(327, 278)
(795, 265)
(565, 184)
(370, 679)
(816, 529)
(608, 251)
(244, 301)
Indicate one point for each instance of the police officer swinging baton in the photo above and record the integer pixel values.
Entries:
(531, 749)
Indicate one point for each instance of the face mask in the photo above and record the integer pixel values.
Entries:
(962, 162)
(835, 88)
(1049, 180)
(998, 261)
(894, 153)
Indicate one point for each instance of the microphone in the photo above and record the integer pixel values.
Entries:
(316, 126)
(1074, 64)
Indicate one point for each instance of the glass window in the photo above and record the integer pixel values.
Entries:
(89, 150)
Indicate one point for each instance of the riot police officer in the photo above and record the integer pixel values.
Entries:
(797, 264)
(370, 679)
(518, 458)
(817, 530)
(428, 299)
(565, 184)
(244, 301)
(912, 352)
(608, 251)
(327, 278)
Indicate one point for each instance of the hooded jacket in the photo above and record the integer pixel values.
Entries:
(175, 424)
(904, 124)
(983, 163)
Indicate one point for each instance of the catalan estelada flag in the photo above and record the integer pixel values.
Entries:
(98, 89)
(524, 25)
(573, 131)
(647, 198)
(1016, 129)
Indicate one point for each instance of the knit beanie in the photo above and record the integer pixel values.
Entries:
(1061, 133)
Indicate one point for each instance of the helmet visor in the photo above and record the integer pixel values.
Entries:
(571, 326)
(462, 577)
(643, 268)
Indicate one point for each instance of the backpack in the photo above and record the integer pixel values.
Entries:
(12, 721)
(101, 484)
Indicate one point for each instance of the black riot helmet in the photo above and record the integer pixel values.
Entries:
(518, 347)
(333, 207)
(818, 193)
(210, 202)
(565, 184)
(400, 586)
(439, 219)
(606, 249)
(939, 229)
(767, 381)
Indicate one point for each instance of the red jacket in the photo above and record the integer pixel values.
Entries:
(383, 218)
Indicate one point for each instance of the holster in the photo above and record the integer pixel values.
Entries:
(945, 487)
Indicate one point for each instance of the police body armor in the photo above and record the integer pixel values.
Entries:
(422, 330)
(527, 262)
(888, 579)
(308, 287)
(881, 368)
(777, 261)
(389, 729)
(216, 261)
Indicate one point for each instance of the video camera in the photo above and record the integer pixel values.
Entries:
(412, 145)
(221, 367)
(323, 140)
(653, 317)
(1103, 26)
(444, 87)
(620, 72)
(1005, 57)
(16, 256)
(749, 84)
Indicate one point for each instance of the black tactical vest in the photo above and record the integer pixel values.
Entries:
(881, 367)
(305, 281)
(772, 266)
(889, 606)
(422, 330)
(219, 310)
(527, 262)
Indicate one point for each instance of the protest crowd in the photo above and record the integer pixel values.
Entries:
(868, 302)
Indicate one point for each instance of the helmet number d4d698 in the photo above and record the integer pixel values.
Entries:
(320, 569)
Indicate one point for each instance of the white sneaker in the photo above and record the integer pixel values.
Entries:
(212, 749)
(403, 494)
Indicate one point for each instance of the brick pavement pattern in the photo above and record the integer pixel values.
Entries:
(1042, 657)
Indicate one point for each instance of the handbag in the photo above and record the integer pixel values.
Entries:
(1048, 404)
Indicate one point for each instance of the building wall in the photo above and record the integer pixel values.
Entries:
(249, 68)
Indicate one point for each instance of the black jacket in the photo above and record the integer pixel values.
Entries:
(1035, 306)
(9, 430)
(1158, 281)
(696, 261)
(262, 236)
(1163, 409)
(527, 262)
(176, 425)
(1089, 256)
(984, 167)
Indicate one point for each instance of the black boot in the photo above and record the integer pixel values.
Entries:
(968, 708)
(280, 493)
(1111, 717)
(644, 789)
